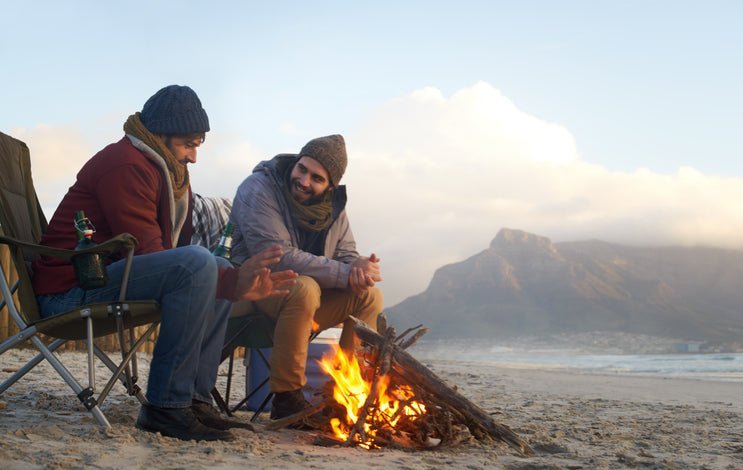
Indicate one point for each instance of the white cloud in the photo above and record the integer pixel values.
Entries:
(57, 153)
(432, 179)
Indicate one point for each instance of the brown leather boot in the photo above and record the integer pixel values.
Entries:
(288, 403)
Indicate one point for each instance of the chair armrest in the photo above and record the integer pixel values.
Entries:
(121, 242)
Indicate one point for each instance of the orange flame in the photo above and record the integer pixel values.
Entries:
(351, 391)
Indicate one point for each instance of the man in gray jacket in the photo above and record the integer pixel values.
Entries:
(294, 200)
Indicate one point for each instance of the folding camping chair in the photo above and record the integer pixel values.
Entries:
(22, 223)
(253, 331)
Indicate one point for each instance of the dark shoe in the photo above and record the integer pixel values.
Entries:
(209, 416)
(288, 403)
(180, 423)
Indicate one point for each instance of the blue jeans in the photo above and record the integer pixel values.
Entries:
(184, 281)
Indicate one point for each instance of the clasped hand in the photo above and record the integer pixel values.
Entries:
(365, 272)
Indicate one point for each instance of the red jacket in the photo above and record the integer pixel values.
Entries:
(120, 190)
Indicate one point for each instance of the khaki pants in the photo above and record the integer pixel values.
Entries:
(294, 314)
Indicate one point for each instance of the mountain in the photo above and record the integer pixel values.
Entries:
(523, 284)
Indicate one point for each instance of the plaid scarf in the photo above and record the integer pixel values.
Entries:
(178, 172)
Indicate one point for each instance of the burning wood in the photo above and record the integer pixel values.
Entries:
(392, 400)
(371, 403)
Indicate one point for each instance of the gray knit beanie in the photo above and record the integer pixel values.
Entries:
(174, 109)
(330, 151)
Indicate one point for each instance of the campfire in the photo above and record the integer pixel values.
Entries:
(386, 398)
(373, 410)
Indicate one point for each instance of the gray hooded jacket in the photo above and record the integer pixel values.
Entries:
(261, 217)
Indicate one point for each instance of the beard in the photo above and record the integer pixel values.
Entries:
(306, 196)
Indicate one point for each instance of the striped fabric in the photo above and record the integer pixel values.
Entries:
(210, 215)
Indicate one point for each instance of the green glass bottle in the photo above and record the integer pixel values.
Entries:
(89, 267)
(224, 249)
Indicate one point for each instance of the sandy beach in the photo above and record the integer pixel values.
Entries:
(571, 420)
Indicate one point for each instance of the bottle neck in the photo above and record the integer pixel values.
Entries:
(86, 234)
(83, 227)
(225, 241)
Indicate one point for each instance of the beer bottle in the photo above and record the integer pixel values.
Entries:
(89, 267)
(224, 249)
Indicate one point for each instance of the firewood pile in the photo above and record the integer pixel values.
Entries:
(394, 401)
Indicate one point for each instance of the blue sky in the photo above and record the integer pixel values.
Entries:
(594, 119)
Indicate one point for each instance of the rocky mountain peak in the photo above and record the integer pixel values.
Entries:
(511, 240)
(526, 285)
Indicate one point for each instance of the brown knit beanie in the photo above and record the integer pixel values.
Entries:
(330, 151)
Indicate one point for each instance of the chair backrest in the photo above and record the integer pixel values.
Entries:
(21, 216)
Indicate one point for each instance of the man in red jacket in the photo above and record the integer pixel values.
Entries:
(140, 185)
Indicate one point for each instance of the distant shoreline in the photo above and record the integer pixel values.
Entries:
(502, 366)
(599, 342)
(611, 356)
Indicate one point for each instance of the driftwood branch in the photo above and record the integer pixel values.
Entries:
(476, 419)
(402, 335)
(413, 339)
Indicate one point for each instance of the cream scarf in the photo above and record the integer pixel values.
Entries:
(173, 171)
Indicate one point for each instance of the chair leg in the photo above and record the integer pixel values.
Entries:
(260, 408)
(223, 402)
(250, 395)
(132, 342)
(16, 339)
(220, 402)
(228, 350)
(85, 395)
(125, 363)
(30, 365)
(223, 405)
(241, 403)
(124, 352)
(89, 348)
(255, 390)
(228, 388)
(135, 390)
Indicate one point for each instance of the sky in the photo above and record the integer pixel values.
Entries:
(574, 120)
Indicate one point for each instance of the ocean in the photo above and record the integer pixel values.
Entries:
(711, 366)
